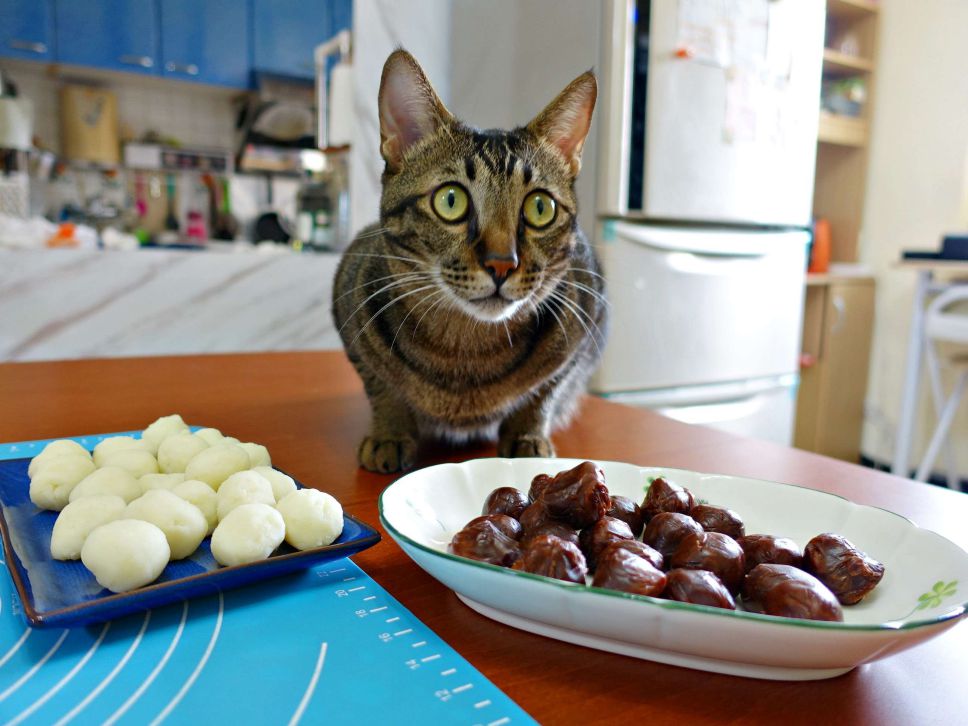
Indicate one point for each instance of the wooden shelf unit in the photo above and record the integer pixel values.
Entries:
(841, 172)
(836, 63)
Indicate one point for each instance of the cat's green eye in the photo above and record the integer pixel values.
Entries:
(450, 202)
(539, 209)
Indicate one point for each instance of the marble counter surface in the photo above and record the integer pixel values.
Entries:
(58, 304)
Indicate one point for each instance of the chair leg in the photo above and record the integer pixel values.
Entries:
(937, 393)
(941, 433)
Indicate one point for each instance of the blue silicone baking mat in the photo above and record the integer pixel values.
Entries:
(327, 645)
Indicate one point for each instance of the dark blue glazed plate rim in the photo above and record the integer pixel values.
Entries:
(212, 578)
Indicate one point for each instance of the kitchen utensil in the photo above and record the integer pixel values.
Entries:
(225, 225)
(171, 219)
(920, 596)
(140, 203)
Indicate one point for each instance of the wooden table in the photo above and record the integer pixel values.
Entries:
(309, 409)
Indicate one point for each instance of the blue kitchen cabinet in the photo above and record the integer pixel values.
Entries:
(27, 29)
(205, 41)
(120, 35)
(285, 32)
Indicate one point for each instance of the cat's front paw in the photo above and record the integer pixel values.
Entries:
(520, 446)
(386, 456)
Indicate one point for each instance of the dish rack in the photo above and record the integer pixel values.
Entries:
(14, 195)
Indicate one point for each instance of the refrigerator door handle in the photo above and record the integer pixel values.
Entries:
(718, 244)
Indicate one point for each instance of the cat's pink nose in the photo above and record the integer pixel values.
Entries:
(500, 267)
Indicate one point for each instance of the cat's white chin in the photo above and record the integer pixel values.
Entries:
(491, 309)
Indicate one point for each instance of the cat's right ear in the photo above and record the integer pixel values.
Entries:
(409, 107)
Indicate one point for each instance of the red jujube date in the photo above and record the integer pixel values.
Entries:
(664, 496)
(577, 496)
(506, 500)
(594, 539)
(718, 519)
(847, 571)
(666, 530)
(699, 587)
(628, 511)
(789, 592)
(621, 569)
(640, 549)
(765, 549)
(714, 552)
(553, 557)
(483, 540)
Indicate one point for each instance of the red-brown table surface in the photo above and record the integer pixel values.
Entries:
(310, 411)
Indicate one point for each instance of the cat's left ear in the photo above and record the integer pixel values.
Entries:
(409, 107)
(565, 121)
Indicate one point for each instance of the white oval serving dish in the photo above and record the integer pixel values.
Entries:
(921, 595)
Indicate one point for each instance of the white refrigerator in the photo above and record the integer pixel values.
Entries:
(705, 170)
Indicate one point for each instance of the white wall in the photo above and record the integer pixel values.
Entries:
(379, 27)
(494, 63)
(916, 190)
(512, 57)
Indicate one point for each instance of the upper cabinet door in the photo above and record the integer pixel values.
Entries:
(27, 29)
(285, 32)
(116, 34)
(205, 41)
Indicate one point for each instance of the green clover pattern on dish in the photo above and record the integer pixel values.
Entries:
(939, 592)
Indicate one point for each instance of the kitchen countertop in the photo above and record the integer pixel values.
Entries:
(70, 303)
(310, 411)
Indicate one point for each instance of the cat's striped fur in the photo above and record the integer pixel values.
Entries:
(482, 328)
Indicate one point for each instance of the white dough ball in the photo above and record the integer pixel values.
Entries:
(78, 519)
(55, 448)
(125, 554)
(313, 518)
(202, 496)
(249, 533)
(282, 484)
(114, 444)
(137, 461)
(230, 440)
(183, 523)
(108, 480)
(161, 429)
(243, 487)
(258, 455)
(210, 436)
(217, 463)
(177, 450)
(160, 481)
(55, 479)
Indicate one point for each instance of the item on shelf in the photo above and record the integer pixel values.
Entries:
(820, 248)
(844, 96)
(150, 156)
(89, 124)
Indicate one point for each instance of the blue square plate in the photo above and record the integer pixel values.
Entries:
(65, 594)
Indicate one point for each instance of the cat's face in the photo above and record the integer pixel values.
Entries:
(490, 215)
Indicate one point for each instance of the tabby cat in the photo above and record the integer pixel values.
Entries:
(475, 308)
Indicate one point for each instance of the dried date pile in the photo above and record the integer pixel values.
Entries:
(570, 528)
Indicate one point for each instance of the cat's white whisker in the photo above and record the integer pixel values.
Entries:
(575, 310)
(508, 331)
(394, 301)
(389, 286)
(441, 300)
(430, 296)
(399, 275)
(551, 309)
(589, 290)
(387, 257)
